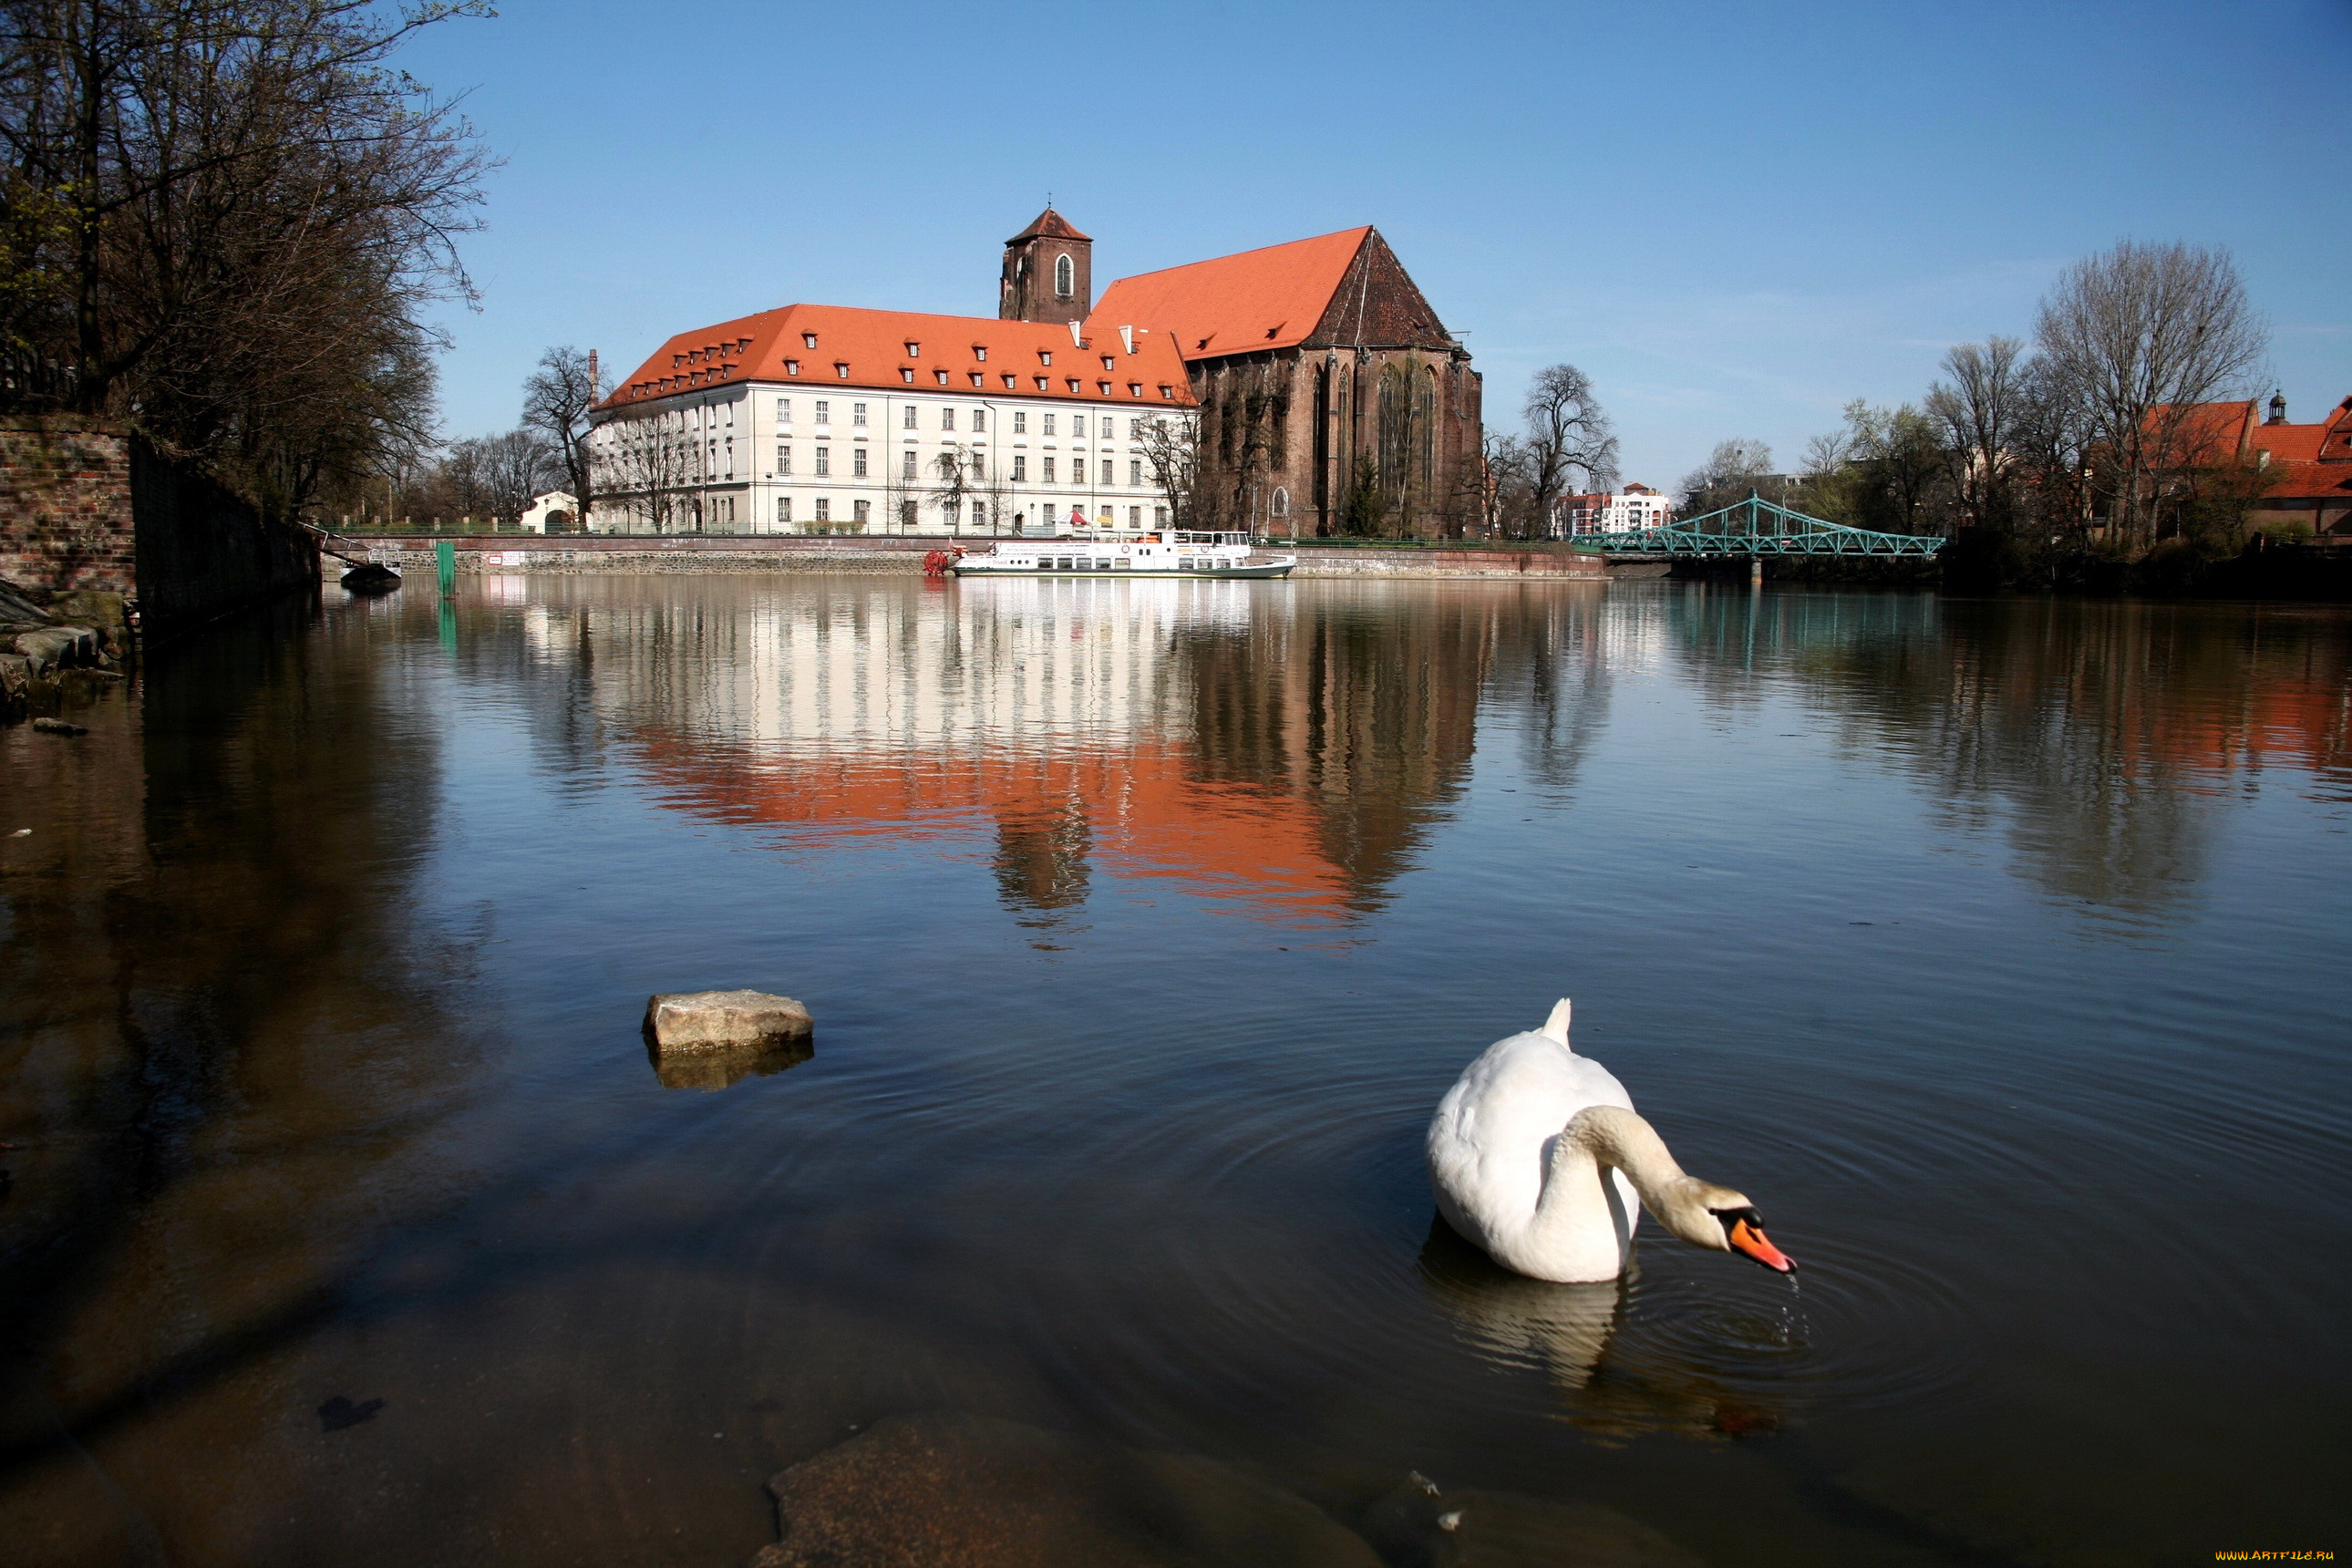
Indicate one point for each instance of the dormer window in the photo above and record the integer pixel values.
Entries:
(1044, 384)
(808, 339)
(1108, 362)
(906, 374)
(978, 379)
(914, 348)
(1044, 356)
(1012, 384)
(791, 367)
(1168, 393)
(980, 350)
(942, 376)
(841, 369)
(1134, 389)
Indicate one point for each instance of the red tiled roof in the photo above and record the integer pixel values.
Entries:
(1268, 298)
(2287, 443)
(883, 350)
(1051, 225)
(2328, 481)
(2209, 434)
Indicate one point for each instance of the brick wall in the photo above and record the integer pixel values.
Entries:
(88, 507)
(65, 506)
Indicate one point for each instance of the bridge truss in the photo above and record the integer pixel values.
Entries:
(1757, 527)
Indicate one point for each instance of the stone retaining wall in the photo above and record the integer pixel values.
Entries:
(482, 554)
(88, 509)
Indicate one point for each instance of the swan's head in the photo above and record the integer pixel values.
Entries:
(1707, 1215)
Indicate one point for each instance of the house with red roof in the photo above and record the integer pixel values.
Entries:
(1309, 383)
(2304, 472)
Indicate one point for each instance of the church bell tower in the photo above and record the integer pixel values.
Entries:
(1049, 273)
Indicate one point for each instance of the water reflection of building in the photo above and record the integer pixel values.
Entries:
(1284, 753)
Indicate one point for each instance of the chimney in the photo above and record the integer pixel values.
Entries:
(2278, 408)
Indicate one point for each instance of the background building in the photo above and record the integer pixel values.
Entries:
(1636, 509)
(825, 419)
(1308, 388)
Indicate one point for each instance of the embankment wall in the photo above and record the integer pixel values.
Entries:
(786, 552)
(86, 509)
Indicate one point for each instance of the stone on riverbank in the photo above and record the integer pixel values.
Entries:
(710, 1021)
(54, 646)
(968, 1491)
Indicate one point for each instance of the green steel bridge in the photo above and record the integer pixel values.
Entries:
(1757, 527)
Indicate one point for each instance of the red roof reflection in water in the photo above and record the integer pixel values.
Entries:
(1145, 814)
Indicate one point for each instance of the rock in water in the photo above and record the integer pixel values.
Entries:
(968, 1491)
(698, 1021)
(58, 727)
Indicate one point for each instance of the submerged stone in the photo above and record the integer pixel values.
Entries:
(725, 1021)
(58, 727)
(950, 1490)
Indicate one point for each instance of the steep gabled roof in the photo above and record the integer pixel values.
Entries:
(868, 349)
(1049, 225)
(1272, 298)
(2208, 434)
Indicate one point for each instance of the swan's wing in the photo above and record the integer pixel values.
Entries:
(1488, 1141)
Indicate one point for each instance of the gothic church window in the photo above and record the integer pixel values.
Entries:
(1066, 278)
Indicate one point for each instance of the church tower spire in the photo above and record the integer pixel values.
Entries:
(1049, 272)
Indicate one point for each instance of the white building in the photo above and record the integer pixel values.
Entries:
(555, 509)
(830, 419)
(1637, 509)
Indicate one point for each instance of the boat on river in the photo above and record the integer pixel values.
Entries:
(1160, 552)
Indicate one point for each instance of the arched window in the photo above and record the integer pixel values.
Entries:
(1066, 278)
(1282, 503)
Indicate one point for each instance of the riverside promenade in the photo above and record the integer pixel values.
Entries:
(497, 554)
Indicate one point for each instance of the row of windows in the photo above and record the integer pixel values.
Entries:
(1104, 424)
(950, 512)
(1106, 471)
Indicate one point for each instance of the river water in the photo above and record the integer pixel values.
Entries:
(1996, 948)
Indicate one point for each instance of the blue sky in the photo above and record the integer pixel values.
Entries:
(1733, 218)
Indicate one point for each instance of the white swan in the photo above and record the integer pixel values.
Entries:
(1516, 1152)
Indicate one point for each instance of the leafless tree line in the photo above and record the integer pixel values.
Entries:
(2084, 439)
(221, 220)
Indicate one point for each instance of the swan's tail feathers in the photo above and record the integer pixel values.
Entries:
(1555, 1026)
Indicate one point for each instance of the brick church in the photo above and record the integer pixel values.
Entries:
(1333, 400)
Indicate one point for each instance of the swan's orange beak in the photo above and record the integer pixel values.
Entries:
(1751, 1239)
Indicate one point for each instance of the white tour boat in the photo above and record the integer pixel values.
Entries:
(1162, 553)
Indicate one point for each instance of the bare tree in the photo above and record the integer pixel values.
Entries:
(1172, 450)
(221, 218)
(1567, 436)
(556, 399)
(1981, 409)
(2137, 337)
(645, 470)
(956, 483)
(1734, 468)
(1900, 462)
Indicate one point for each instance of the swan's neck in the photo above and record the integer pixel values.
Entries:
(1583, 1211)
(1612, 1136)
